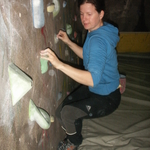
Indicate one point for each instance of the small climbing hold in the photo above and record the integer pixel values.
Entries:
(64, 4)
(51, 72)
(51, 118)
(66, 52)
(75, 34)
(44, 65)
(56, 39)
(75, 18)
(50, 7)
(59, 96)
(68, 29)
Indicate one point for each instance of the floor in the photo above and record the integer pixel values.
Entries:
(128, 128)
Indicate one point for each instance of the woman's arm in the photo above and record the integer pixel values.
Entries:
(80, 76)
(76, 49)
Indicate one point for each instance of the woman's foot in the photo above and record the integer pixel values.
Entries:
(66, 145)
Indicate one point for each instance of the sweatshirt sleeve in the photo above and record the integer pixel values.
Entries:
(97, 58)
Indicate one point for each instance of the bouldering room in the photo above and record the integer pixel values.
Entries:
(32, 88)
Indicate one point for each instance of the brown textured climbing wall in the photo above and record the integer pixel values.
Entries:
(20, 43)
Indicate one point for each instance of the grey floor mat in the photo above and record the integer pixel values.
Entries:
(128, 128)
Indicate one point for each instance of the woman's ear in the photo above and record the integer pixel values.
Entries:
(101, 14)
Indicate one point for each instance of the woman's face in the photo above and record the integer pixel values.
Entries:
(90, 18)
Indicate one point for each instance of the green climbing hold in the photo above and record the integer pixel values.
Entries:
(20, 83)
(44, 65)
(39, 115)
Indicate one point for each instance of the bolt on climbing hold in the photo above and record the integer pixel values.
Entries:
(20, 83)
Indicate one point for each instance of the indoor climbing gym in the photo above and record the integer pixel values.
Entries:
(74, 74)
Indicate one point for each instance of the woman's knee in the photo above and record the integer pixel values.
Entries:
(66, 113)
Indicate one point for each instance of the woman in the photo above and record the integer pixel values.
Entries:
(99, 94)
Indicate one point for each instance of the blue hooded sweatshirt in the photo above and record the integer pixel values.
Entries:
(100, 58)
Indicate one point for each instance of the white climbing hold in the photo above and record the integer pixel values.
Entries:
(57, 8)
(56, 39)
(38, 13)
(66, 52)
(68, 29)
(51, 72)
(39, 115)
(20, 83)
(64, 4)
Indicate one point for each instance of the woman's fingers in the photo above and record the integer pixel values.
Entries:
(61, 35)
(48, 54)
(45, 51)
(45, 56)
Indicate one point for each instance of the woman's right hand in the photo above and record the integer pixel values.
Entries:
(63, 36)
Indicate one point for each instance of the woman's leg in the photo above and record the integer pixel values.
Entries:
(79, 93)
(92, 106)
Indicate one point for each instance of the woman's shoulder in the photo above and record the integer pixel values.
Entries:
(97, 38)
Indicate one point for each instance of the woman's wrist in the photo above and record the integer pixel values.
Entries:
(60, 66)
(69, 42)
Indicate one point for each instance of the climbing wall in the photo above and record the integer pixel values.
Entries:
(26, 27)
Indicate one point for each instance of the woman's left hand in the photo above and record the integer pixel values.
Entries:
(48, 54)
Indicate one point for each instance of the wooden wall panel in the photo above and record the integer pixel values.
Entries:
(134, 42)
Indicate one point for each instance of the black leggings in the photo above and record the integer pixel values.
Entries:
(83, 104)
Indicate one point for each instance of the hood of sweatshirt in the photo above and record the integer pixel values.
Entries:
(107, 32)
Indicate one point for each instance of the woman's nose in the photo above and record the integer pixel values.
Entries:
(84, 17)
